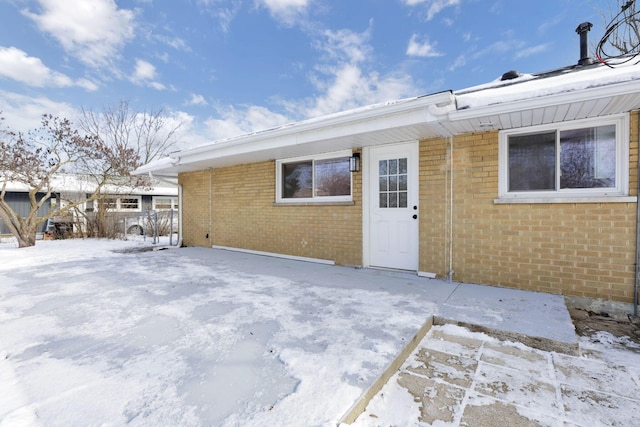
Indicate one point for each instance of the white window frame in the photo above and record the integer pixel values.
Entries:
(313, 199)
(174, 202)
(119, 207)
(621, 189)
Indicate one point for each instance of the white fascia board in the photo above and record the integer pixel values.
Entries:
(381, 116)
(606, 91)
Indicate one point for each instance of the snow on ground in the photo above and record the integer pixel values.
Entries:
(90, 336)
(100, 332)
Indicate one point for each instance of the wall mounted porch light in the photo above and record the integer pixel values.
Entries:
(354, 162)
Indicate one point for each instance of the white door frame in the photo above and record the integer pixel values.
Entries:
(367, 187)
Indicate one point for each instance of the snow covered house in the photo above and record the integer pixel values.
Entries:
(529, 182)
(127, 203)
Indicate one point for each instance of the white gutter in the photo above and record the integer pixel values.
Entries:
(471, 111)
(290, 134)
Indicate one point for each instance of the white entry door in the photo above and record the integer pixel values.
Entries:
(393, 210)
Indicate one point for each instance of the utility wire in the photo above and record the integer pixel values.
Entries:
(624, 28)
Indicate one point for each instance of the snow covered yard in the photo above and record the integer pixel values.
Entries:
(99, 332)
(89, 336)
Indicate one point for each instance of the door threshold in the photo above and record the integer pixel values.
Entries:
(394, 270)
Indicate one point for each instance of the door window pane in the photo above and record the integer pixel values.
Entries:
(393, 183)
(532, 162)
(393, 167)
(393, 200)
(383, 200)
(402, 166)
(402, 199)
(402, 182)
(384, 180)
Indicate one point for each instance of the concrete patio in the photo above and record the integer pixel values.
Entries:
(195, 336)
(523, 367)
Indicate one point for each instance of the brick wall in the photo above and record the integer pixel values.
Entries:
(195, 208)
(245, 216)
(578, 249)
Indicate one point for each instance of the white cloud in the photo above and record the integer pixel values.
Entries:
(533, 50)
(346, 45)
(224, 11)
(157, 85)
(286, 11)
(144, 70)
(93, 31)
(23, 113)
(145, 74)
(433, 6)
(460, 61)
(177, 43)
(197, 99)
(499, 47)
(423, 49)
(87, 84)
(350, 88)
(16, 64)
(188, 134)
(345, 78)
(234, 122)
(437, 6)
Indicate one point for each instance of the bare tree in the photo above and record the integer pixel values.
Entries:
(150, 134)
(34, 158)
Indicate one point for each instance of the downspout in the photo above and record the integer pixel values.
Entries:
(209, 233)
(637, 272)
(441, 113)
(180, 215)
(450, 274)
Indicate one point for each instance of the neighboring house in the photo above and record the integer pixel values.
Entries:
(124, 202)
(17, 196)
(526, 182)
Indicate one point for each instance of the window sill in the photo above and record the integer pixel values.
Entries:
(551, 200)
(345, 203)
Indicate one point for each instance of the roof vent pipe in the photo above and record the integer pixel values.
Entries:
(510, 75)
(583, 29)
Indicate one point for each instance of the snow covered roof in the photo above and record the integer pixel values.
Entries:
(566, 94)
(77, 183)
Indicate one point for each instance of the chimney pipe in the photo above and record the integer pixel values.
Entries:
(583, 29)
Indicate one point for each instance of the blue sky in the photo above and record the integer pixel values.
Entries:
(227, 67)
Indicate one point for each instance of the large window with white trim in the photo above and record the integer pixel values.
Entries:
(322, 178)
(163, 203)
(121, 203)
(585, 158)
